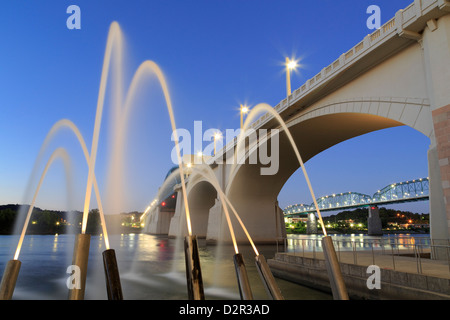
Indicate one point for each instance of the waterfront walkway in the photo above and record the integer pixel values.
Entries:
(402, 262)
(402, 277)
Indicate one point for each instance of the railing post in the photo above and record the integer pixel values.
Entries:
(314, 249)
(393, 256)
(373, 257)
(448, 259)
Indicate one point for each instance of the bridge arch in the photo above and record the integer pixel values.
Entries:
(202, 197)
(320, 128)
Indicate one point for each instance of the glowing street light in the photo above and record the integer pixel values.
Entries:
(244, 110)
(290, 65)
(217, 136)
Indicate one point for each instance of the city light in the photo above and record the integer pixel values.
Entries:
(292, 65)
(217, 136)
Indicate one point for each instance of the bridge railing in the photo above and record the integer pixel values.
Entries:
(419, 255)
(395, 26)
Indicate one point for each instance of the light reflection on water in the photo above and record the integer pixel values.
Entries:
(151, 268)
(358, 242)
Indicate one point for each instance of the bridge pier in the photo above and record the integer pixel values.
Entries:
(374, 222)
(436, 50)
(311, 223)
(264, 224)
(159, 222)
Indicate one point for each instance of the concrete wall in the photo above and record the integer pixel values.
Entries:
(395, 285)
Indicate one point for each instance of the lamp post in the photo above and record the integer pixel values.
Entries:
(244, 110)
(217, 136)
(290, 65)
(199, 159)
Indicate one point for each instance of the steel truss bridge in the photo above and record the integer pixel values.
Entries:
(407, 191)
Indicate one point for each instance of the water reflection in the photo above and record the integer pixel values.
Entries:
(360, 242)
(151, 268)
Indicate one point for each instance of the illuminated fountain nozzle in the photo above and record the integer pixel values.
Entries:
(337, 284)
(113, 286)
(241, 273)
(267, 277)
(193, 270)
(9, 279)
(80, 260)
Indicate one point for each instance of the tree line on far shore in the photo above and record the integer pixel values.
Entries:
(356, 220)
(50, 221)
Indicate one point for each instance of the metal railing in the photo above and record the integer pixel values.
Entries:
(388, 252)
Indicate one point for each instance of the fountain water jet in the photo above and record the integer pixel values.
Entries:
(333, 268)
(114, 289)
(265, 107)
(65, 123)
(241, 272)
(145, 67)
(193, 269)
(60, 152)
(113, 36)
(13, 267)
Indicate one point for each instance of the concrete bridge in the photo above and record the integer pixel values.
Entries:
(398, 75)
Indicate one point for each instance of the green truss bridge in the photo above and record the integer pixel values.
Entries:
(407, 191)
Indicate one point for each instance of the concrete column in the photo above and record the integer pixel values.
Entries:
(436, 48)
(279, 219)
(438, 217)
(215, 221)
(178, 221)
(374, 222)
(159, 221)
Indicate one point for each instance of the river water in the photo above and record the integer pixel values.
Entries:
(151, 268)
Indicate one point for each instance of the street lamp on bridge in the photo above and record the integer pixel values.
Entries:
(244, 110)
(290, 65)
(217, 136)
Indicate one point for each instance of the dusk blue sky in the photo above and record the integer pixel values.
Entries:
(215, 56)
